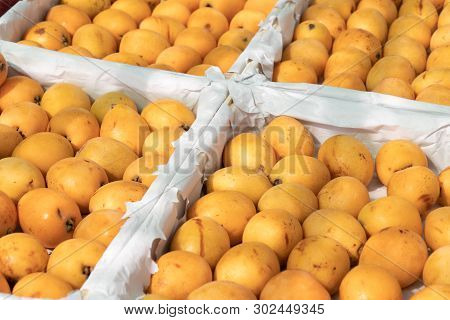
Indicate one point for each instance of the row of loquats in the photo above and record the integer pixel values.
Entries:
(186, 36)
(67, 169)
(278, 223)
(398, 48)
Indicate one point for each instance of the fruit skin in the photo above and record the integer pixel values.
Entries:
(359, 39)
(436, 269)
(69, 17)
(199, 70)
(44, 149)
(433, 292)
(168, 113)
(250, 264)
(76, 124)
(344, 7)
(50, 35)
(142, 170)
(211, 19)
(435, 94)
(115, 195)
(4, 286)
(294, 285)
(101, 226)
(350, 61)
(386, 7)
(397, 155)
(265, 6)
(30, 43)
(221, 290)
(422, 9)
(41, 285)
(3, 69)
(438, 58)
(311, 29)
(238, 38)
(231, 209)
(344, 193)
(127, 126)
(91, 7)
(346, 81)
(168, 28)
(323, 258)
(204, 237)
(62, 96)
(127, 58)
(8, 215)
(73, 260)
(417, 184)
(180, 58)
(108, 101)
(347, 156)
(229, 8)
(408, 48)
(395, 87)
(223, 57)
(49, 215)
(444, 17)
(251, 151)
(198, 39)
(294, 71)
(172, 9)
(68, 174)
(369, 282)
(327, 16)
(339, 226)
(370, 20)
(192, 5)
(18, 176)
(276, 228)
(312, 52)
(412, 27)
(147, 44)
(288, 136)
(437, 221)
(97, 40)
(399, 251)
(153, 296)
(390, 67)
(308, 171)
(248, 20)
(137, 9)
(252, 183)
(115, 21)
(10, 139)
(296, 199)
(440, 37)
(160, 142)
(180, 273)
(433, 77)
(444, 182)
(26, 117)
(391, 211)
(111, 155)
(18, 89)
(21, 254)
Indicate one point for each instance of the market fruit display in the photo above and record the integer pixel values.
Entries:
(69, 164)
(306, 226)
(178, 36)
(406, 41)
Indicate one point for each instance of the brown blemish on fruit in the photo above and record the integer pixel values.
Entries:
(286, 239)
(404, 167)
(39, 31)
(311, 26)
(202, 240)
(86, 270)
(70, 225)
